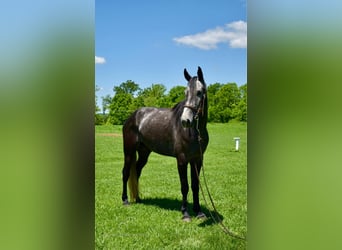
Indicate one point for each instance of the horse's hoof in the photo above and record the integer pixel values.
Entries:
(125, 202)
(201, 216)
(186, 218)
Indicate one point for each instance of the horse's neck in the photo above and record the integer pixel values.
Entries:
(204, 116)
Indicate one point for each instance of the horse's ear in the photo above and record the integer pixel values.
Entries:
(200, 74)
(186, 75)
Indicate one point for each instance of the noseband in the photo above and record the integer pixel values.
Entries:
(198, 110)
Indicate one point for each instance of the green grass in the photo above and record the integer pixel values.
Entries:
(156, 223)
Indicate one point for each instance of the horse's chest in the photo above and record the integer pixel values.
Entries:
(191, 147)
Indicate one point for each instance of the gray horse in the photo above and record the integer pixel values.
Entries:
(180, 132)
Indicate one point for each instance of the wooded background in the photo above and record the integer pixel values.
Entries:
(226, 101)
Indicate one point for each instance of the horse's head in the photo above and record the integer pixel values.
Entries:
(195, 95)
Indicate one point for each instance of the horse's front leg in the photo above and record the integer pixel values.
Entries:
(183, 176)
(195, 173)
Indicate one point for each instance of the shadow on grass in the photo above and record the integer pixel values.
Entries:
(175, 205)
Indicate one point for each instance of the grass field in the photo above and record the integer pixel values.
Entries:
(156, 223)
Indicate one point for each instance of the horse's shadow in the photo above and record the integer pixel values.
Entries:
(174, 205)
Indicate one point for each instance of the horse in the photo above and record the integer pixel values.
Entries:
(179, 132)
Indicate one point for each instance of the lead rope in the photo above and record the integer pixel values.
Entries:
(225, 229)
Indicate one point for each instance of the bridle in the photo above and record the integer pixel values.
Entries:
(197, 110)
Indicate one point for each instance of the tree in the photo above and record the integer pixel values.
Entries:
(228, 96)
(176, 95)
(106, 101)
(242, 105)
(128, 87)
(212, 90)
(98, 118)
(214, 109)
(226, 101)
(122, 104)
(119, 108)
(153, 96)
(97, 109)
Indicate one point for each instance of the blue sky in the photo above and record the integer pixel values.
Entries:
(152, 41)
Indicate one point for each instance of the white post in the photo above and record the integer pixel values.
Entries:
(237, 142)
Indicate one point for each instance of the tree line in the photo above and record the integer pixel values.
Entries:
(226, 101)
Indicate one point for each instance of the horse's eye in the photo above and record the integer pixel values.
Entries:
(199, 93)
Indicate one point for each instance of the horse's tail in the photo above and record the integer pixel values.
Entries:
(133, 184)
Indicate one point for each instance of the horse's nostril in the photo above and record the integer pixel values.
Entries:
(183, 123)
(186, 123)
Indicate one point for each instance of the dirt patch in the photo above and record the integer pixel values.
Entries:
(109, 134)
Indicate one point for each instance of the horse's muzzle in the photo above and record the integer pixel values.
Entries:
(186, 123)
(187, 117)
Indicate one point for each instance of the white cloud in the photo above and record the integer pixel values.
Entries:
(100, 60)
(235, 34)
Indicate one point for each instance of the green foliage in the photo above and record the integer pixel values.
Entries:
(101, 119)
(106, 101)
(226, 101)
(242, 105)
(98, 118)
(153, 96)
(97, 109)
(119, 108)
(128, 87)
(156, 222)
(176, 95)
(122, 104)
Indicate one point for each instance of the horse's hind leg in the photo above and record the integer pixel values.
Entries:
(130, 159)
(143, 153)
(129, 141)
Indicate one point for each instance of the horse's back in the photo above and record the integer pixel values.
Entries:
(154, 128)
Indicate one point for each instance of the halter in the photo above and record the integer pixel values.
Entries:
(198, 110)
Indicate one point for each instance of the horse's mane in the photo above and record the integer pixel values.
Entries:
(178, 108)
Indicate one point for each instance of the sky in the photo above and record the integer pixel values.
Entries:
(152, 41)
